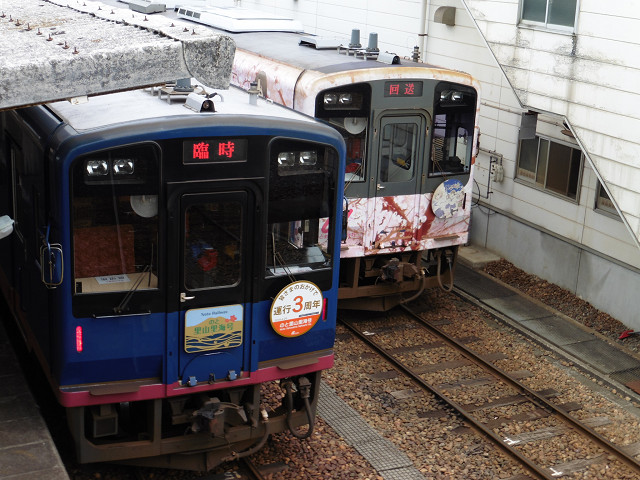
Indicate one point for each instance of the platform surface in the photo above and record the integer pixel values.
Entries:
(27, 451)
(616, 364)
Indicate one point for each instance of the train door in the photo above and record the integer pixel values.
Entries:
(399, 169)
(214, 283)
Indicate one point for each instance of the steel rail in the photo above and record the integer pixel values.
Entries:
(496, 372)
(536, 469)
(564, 416)
(252, 468)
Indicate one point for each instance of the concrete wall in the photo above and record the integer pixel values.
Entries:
(607, 285)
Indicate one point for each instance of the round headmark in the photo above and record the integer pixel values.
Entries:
(296, 309)
(448, 199)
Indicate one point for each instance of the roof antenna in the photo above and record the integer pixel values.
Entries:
(355, 39)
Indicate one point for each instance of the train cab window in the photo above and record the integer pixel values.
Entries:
(213, 233)
(115, 220)
(347, 109)
(398, 150)
(453, 130)
(299, 227)
(354, 131)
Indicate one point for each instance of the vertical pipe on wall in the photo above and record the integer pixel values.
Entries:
(425, 6)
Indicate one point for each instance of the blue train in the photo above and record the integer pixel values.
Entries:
(175, 270)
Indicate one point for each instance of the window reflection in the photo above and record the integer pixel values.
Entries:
(398, 151)
(115, 221)
(354, 131)
(453, 129)
(213, 233)
(300, 231)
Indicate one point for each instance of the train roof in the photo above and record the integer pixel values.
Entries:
(305, 51)
(137, 105)
(58, 49)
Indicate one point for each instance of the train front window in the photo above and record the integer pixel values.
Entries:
(354, 131)
(115, 220)
(213, 233)
(347, 109)
(453, 129)
(398, 150)
(299, 221)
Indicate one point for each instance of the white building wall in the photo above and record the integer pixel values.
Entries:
(590, 79)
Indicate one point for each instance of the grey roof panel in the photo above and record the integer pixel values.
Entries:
(50, 51)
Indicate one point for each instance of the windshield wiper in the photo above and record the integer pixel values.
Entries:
(121, 308)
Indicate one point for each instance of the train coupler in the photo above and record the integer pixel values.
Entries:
(396, 271)
(213, 414)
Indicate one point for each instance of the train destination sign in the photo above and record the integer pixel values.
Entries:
(296, 309)
(402, 88)
(214, 150)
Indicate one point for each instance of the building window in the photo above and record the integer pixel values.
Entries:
(603, 201)
(550, 165)
(549, 13)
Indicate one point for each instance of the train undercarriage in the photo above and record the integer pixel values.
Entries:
(381, 282)
(195, 432)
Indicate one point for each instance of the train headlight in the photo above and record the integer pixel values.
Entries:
(308, 158)
(123, 166)
(97, 168)
(451, 96)
(286, 159)
(345, 99)
(330, 98)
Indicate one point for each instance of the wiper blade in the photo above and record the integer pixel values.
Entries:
(121, 308)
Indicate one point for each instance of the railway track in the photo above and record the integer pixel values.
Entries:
(507, 391)
(246, 470)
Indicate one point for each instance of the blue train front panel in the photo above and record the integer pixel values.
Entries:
(166, 267)
(178, 246)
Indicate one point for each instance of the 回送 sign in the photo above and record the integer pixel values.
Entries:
(402, 88)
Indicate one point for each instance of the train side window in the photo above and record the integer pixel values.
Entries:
(453, 129)
(27, 186)
(398, 152)
(115, 220)
(301, 188)
(213, 233)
